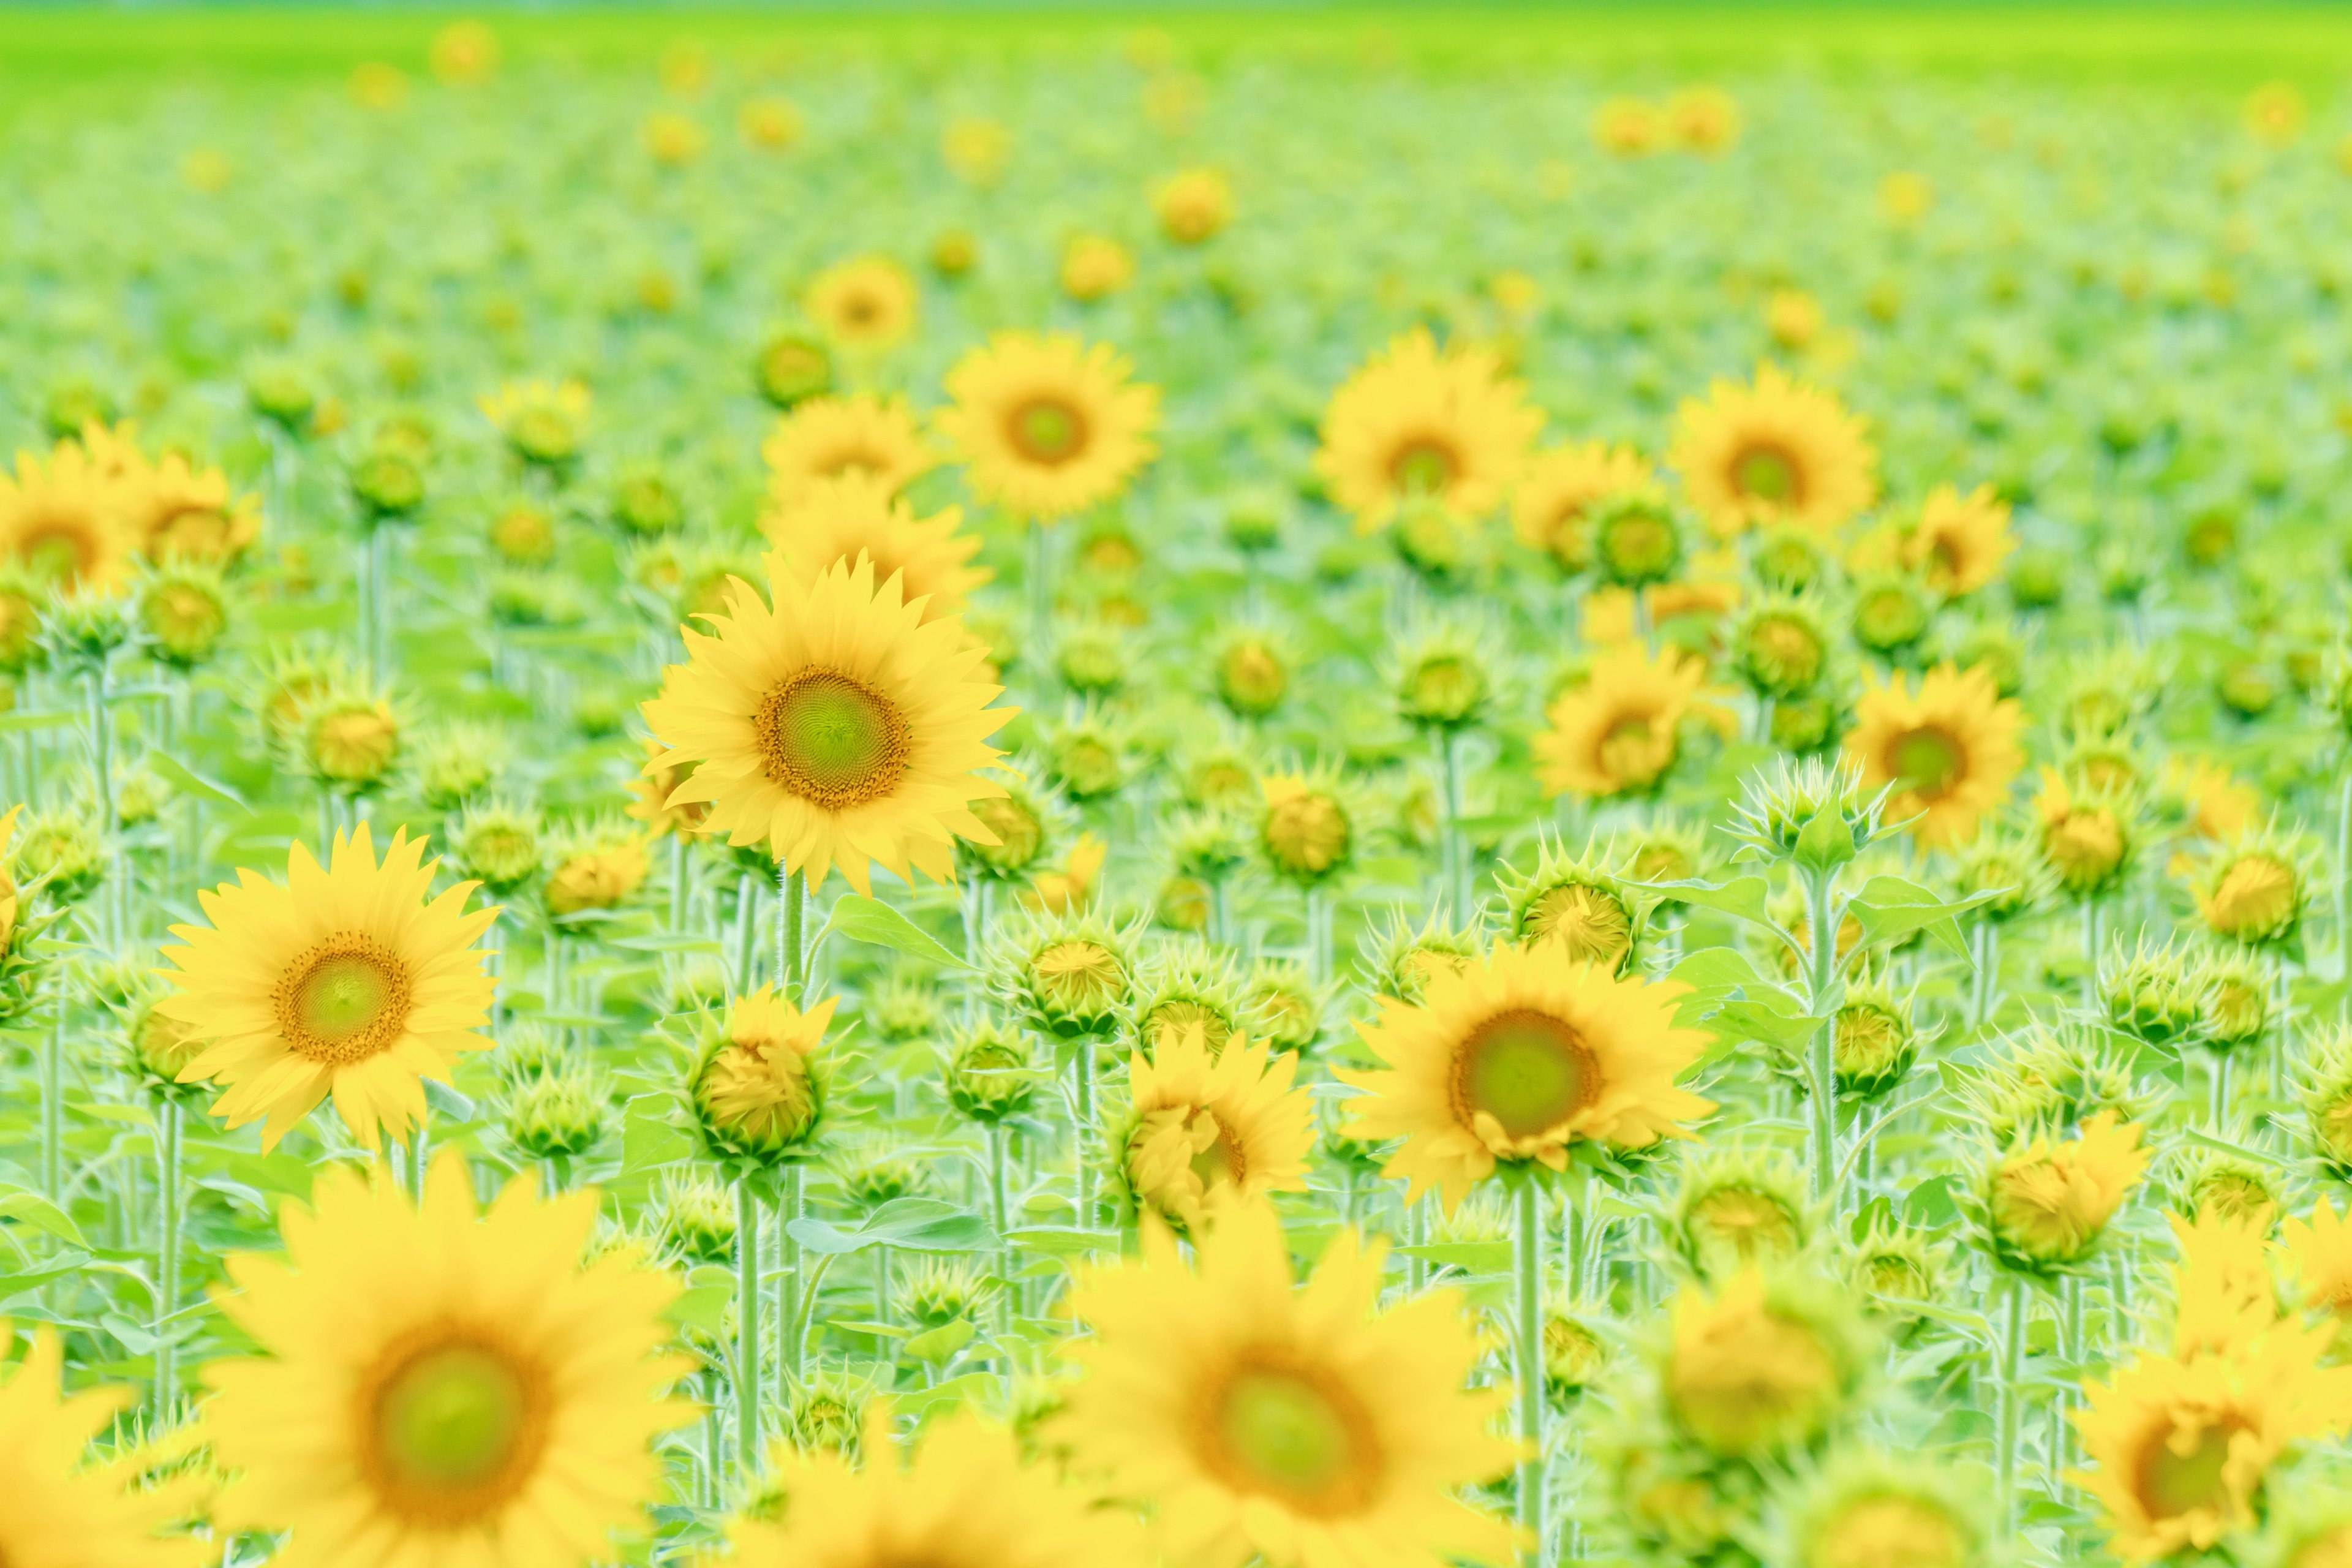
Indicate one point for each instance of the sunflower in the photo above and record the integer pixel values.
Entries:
(857, 518)
(441, 1388)
(861, 435)
(346, 979)
(2321, 1246)
(1620, 730)
(2087, 839)
(1204, 1121)
(1776, 451)
(1416, 422)
(1048, 425)
(1551, 504)
(1760, 1366)
(1295, 1427)
(837, 725)
(1514, 1057)
(543, 421)
(866, 303)
(1950, 750)
(65, 522)
(2048, 1201)
(173, 509)
(2224, 1294)
(1961, 541)
(57, 1513)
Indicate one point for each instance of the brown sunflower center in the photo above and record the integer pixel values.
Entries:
(1769, 473)
(344, 1000)
(831, 740)
(1281, 1428)
(2181, 1471)
(1047, 430)
(1528, 1070)
(452, 1427)
(1423, 465)
(61, 548)
(845, 460)
(1927, 761)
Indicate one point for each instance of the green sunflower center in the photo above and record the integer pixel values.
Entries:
(1223, 1159)
(1423, 466)
(1768, 474)
(451, 1432)
(1296, 1434)
(1926, 760)
(1047, 430)
(1527, 1069)
(345, 1000)
(831, 740)
(2172, 1482)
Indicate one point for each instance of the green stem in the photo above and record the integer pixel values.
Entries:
(1456, 855)
(1527, 1270)
(2012, 1404)
(791, 935)
(53, 1110)
(1041, 600)
(747, 929)
(1820, 1067)
(1082, 1109)
(996, 1205)
(167, 1258)
(788, 1283)
(678, 868)
(747, 1328)
(2344, 887)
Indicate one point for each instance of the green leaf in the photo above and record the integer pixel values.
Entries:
(1742, 897)
(1715, 969)
(862, 919)
(1775, 1018)
(939, 1346)
(914, 1224)
(922, 1402)
(1930, 1203)
(704, 1307)
(2223, 1146)
(1059, 1241)
(31, 1208)
(1472, 1256)
(69, 1262)
(18, 723)
(180, 777)
(107, 1111)
(1890, 909)
(648, 1138)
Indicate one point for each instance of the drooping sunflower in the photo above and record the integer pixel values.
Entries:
(1551, 504)
(866, 303)
(1204, 1121)
(1950, 749)
(65, 519)
(862, 434)
(1960, 540)
(1415, 421)
(1514, 1057)
(1774, 451)
(56, 1512)
(345, 979)
(1048, 425)
(1620, 730)
(1295, 1425)
(854, 518)
(439, 1387)
(834, 724)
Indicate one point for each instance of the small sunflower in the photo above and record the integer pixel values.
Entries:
(2087, 838)
(171, 508)
(65, 522)
(759, 1083)
(861, 435)
(57, 1511)
(868, 302)
(1416, 422)
(543, 421)
(1949, 749)
(1203, 1122)
(1293, 1426)
(1048, 425)
(1769, 1363)
(1959, 541)
(1620, 730)
(1775, 451)
(345, 979)
(835, 725)
(2048, 1201)
(844, 520)
(1516, 1057)
(441, 1388)
(1552, 504)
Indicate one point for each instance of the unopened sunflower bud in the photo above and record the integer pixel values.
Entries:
(85, 629)
(1824, 797)
(558, 1117)
(1286, 1009)
(2088, 837)
(1092, 661)
(644, 504)
(160, 1050)
(792, 369)
(1072, 976)
(2047, 1202)
(2236, 1190)
(903, 1008)
(1735, 1208)
(694, 1221)
(1898, 1266)
(455, 765)
(2253, 894)
(1891, 612)
(1574, 1356)
(1999, 864)
(1576, 904)
(184, 611)
(2237, 1001)
(387, 485)
(1307, 834)
(1637, 539)
(600, 868)
(498, 845)
(1879, 1508)
(989, 1075)
(64, 848)
(1251, 675)
(827, 1416)
(282, 396)
(2327, 1102)
(349, 738)
(1781, 648)
(1187, 988)
(1791, 558)
(1023, 822)
(943, 1290)
(1442, 680)
(1764, 1367)
(2153, 995)
(1875, 1046)
(876, 1178)
(759, 1085)
(1402, 959)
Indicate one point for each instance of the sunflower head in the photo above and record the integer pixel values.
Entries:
(559, 1116)
(1442, 676)
(2327, 1101)
(1072, 974)
(2047, 1201)
(1736, 1207)
(1194, 206)
(1186, 987)
(1251, 672)
(595, 865)
(1767, 1366)
(1025, 822)
(1959, 541)
(2153, 993)
(758, 1086)
(500, 844)
(1286, 1008)
(1418, 424)
(791, 368)
(1873, 1511)
(1620, 731)
(183, 612)
(1400, 958)
(1049, 426)
(1580, 903)
(1875, 1044)
(990, 1075)
(1782, 647)
(2217, 1185)
(2253, 892)
(1775, 451)
(2087, 835)
(1894, 1265)
(867, 304)
(543, 421)
(1576, 1355)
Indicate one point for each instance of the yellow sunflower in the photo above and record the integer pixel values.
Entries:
(1776, 451)
(835, 725)
(1418, 421)
(2223, 1293)
(866, 303)
(437, 1387)
(1950, 750)
(1048, 425)
(1619, 731)
(1302, 1428)
(1961, 541)
(862, 434)
(171, 508)
(2321, 1246)
(964, 1499)
(2048, 1200)
(543, 421)
(66, 521)
(346, 979)
(1514, 1057)
(1551, 504)
(57, 1511)
(855, 517)
(1207, 1120)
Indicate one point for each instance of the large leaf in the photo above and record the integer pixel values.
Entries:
(648, 1138)
(912, 1224)
(180, 777)
(1890, 909)
(862, 919)
(1743, 897)
(31, 1208)
(939, 1346)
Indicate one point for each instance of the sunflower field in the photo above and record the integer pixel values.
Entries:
(1314, 792)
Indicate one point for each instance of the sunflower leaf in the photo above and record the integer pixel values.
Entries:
(862, 919)
(912, 1224)
(1891, 908)
(1742, 897)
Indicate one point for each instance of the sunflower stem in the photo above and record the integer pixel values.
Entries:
(747, 1328)
(747, 928)
(1457, 856)
(167, 1257)
(1821, 1051)
(679, 869)
(996, 1218)
(2344, 888)
(792, 944)
(1082, 1121)
(1528, 1270)
(53, 1122)
(1041, 598)
(2012, 1395)
(789, 1207)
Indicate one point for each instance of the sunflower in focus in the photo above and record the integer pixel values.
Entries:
(857, 518)
(441, 1388)
(1961, 541)
(1949, 749)
(1552, 503)
(1620, 730)
(57, 1511)
(1416, 422)
(1773, 451)
(346, 979)
(1516, 1056)
(1206, 1122)
(1047, 425)
(862, 434)
(837, 725)
(65, 522)
(868, 302)
(1291, 1425)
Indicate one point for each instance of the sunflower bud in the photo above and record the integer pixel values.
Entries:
(1187, 988)
(2253, 893)
(558, 1116)
(2236, 1190)
(453, 765)
(943, 1290)
(85, 629)
(1307, 834)
(1402, 959)
(2237, 1001)
(759, 1083)
(184, 611)
(1286, 1010)
(1780, 648)
(1761, 1368)
(874, 1177)
(1574, 1356)
(2087, 838)
(1791, 559)
(523, 535)
(2327, 1102)
(1022, 822)
(694, 1221)
(1875, 1046)
(2153, 995)
(160, 1050)
(1733, 1209)
(282, 396)
(598, 869)
(827, 1416)
(1637, 539)
(62, 850)
(904, 1008)
(2047, 1202)
(498, 845)
(1822, 798)
(1896, 1267)
(1072, 976)
(644, 504)
(989, 1076)
(1997, 863)
(1253, 523)
(1577, 905)
(792, 369)
(1891, 612)
(387, 485)
(1441, 681)
(1877, 1509)
(1088, 756)
(1251, 674)
(351, 738)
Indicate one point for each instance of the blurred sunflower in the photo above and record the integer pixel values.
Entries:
(855, 517)
(171, 508)
(1949, 750)
(57, 1511)
(868, 302)
(863, 434)
(1776, 451)
(1417, 422)
(67, 520)
(1194, 206)
(1205, 1121)
(836, 726)
(1959, 541)
(1620, 730)
(1552, 504)
(543, 421)
(1048, 425)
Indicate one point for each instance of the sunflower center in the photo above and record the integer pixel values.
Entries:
(345, 1000)
(1926, 760)
(1423, 466)
(1294, 1434)
(1630, 750)
(2173, 1482)
(1223, 1159)
(59, 551)
(831, 740)
(1528, 1070)
(1047, 430)
(451, 1430)
(850, 461)
(1767, 473)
